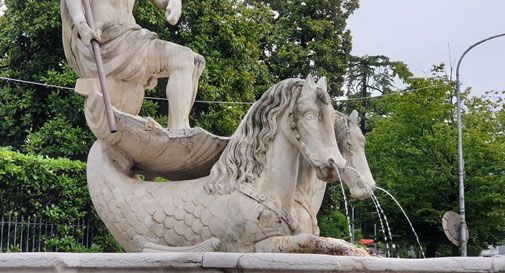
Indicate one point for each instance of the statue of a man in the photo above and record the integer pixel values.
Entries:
(131, 53)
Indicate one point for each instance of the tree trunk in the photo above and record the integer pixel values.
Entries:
(362, 122)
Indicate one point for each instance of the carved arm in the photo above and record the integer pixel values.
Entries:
(173, 9)
(160, 4)
(76, 11)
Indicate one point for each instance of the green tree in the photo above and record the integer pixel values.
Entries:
(412, 153)
(30, 49)
(369, 74)
(310, 36)
(229, 35)
(334, 224)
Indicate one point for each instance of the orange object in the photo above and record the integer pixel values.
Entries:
(366, 241)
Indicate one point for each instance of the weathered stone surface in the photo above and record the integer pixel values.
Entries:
(131, 54)
(246, 200)
(236, 262)
(291, 262)
(356, 174)
(499, 264)
(103, 262)
(173, 154)
(125, 96)
(221, 260)
(265, 183)
(248, 195)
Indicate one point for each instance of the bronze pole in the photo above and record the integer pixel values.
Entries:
(99, 68)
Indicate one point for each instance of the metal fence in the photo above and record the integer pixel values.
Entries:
(32, 234)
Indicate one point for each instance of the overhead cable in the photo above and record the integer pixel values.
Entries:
(212, 102)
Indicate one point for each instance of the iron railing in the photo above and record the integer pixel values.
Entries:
(19, 233)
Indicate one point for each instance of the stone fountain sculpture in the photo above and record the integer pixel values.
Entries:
(133, 57)
(257, 191)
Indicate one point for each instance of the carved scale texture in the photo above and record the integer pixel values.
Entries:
(175, 213)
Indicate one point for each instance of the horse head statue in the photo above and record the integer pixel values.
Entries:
(351, 142)
(356, 173)
(313, 123)
(300, 111)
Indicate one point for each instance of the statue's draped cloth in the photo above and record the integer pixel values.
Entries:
(127, 51)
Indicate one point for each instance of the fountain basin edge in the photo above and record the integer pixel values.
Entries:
(236, 262)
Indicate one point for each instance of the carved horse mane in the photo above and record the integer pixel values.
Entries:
(342, 128)
(243, 159)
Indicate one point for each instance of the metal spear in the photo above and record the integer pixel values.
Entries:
(99, 68)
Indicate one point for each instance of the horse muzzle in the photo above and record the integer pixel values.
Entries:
(329, 172)
(325, 161)
(360, 188)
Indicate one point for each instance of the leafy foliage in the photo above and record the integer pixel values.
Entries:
(412, 151)
(52, 189)
(368, 74)
(31, 49)
(310, 36)
(56, 139)
(334, 224)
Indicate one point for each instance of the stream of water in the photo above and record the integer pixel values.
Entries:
(408, 219)
(386, 221)
(376, 204)
(382, 217)
(346, 205)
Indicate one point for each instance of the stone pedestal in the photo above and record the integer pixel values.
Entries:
(235, 262)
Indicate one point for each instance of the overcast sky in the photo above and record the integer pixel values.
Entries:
(420, 32)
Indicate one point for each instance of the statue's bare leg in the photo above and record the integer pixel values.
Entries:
(183, 68)
(309, 243)
(197, 72)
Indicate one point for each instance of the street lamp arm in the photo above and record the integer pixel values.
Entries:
(471, 47)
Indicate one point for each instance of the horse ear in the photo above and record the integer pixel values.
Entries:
(310, 81)
(322, 83)
(353, 117)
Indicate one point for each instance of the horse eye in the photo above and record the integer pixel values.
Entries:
(310, 116)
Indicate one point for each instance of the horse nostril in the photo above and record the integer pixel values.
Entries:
(332, 163)
(340, 163)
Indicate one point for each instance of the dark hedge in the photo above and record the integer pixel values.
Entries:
(54, 190)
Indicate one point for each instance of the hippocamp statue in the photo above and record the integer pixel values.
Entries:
(356, 174)
(246, 203)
